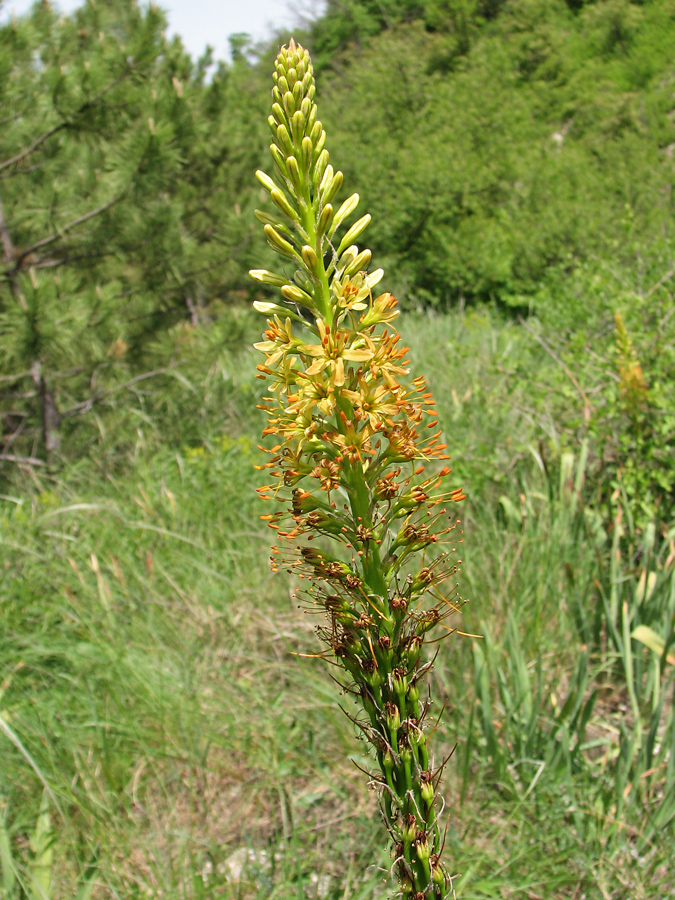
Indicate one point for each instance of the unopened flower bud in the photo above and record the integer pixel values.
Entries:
(298, 128)
(281, 202)
(294, 174)
(289, 103)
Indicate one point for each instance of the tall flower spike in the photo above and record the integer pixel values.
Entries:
(357, 514)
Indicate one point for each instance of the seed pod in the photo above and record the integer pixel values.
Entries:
(281, 201)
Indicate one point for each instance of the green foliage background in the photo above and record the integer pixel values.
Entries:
(157, 736)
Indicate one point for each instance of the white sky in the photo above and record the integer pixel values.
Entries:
(202, 22)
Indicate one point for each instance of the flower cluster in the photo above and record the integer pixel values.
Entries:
(357, 472)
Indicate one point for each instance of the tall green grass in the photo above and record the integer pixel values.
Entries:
(153, 709)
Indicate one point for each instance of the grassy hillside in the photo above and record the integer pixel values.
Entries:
(163, 729)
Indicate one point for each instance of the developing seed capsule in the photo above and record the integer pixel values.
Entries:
(427, 787)
(408, 829)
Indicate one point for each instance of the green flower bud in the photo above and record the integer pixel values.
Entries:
(283, 85)
(265, 277)
(311, 260)
(294, 174)
(318, 147)
(360, 262)
(298, 128)
(346, 209)
(297, 94)
(292, 77)
(279, 160)
(311, 119)
(324, 219)
(276, 94)
(278, 114)
(289, 104)
(332, 188)
(272, 122)
(357, 229)
(297, 295)
(320, 166)
(306, 154)
(281, 201)
(265, 180)
(284, 140)
(277, 243)
(311, 91)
